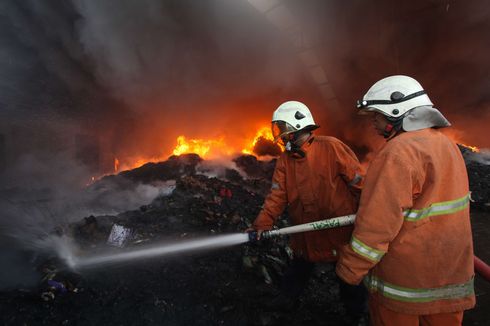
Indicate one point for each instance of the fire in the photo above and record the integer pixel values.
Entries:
(211, 148)
(116, 164)
(472, 148)
(457, 137)
(202, 147)
(264, 132)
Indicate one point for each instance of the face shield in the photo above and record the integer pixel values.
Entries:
(280, 129)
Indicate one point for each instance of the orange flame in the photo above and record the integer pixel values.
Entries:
(205, 148)
(457, 137)
(264, 132)
(202, 147)
(472, 148)
(116, 164)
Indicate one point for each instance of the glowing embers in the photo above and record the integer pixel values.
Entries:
(203, 147)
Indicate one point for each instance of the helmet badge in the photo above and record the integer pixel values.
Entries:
(298, 115)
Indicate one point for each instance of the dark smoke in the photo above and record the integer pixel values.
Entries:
(265, 147)
(443, 44)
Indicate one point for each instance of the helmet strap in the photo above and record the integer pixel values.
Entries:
(393, 127)
(388, 130)
(295, 143)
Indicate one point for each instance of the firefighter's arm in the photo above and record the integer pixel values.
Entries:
(276, 200)
(387, 192)
(349, 167)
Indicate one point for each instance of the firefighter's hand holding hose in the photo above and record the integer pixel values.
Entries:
(254, 235)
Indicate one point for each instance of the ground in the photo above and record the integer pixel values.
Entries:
(229, 286)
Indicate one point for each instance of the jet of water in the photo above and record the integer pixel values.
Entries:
(156, 250)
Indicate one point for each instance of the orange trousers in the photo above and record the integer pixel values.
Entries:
(381, 316)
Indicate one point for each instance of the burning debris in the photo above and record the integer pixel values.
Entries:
(478, 167)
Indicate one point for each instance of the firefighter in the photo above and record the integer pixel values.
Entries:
(316, 177)
(412, 241)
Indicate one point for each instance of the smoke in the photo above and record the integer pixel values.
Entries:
(440, 43)
(265, 147)
(116, 195)
(83, 82)
(182, 61)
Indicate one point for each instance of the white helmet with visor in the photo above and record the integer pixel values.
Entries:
(394, 96)
(290, 117)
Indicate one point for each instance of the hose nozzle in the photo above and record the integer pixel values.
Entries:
(254, 235)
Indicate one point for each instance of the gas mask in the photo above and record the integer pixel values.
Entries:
(294, 141)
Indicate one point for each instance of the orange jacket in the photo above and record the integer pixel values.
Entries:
(412, 232)
(323, 184)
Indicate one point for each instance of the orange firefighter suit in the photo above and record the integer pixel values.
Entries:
(323, 184)
(412, 239)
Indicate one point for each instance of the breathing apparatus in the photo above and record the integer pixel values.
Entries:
(292, 124)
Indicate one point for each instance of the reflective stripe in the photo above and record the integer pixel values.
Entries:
(274, 186)
(442, 208)
(366, 251)
(399, 293)
(356, 180)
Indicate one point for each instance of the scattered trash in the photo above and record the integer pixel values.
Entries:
(57, 286)
(119, 236)
(47, 296)
(168, 188)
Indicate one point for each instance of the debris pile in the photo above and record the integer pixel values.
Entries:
(478, 167)
(229, 286)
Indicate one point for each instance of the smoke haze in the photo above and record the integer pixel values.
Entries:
(83, 82)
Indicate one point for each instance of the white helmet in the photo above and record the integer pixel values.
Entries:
(394, 96)
(289, 117)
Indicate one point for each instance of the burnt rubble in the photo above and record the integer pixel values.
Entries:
(478, 168)
(228, 286)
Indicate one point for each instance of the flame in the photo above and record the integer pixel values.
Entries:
(472, 148)
(457, 137)
(264, 132)
(211, 148)
(116, 164)
(203, 147)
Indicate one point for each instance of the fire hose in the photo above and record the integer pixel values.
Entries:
(480, 266)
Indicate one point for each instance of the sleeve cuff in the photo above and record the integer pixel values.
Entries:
(347, 275)
(262, 223)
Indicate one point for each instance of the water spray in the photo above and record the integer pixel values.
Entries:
(219, 242)
(156, 250)
(78, 263)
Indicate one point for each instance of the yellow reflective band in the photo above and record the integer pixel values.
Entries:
(366, 251)
(442, 208)
(453, 291)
